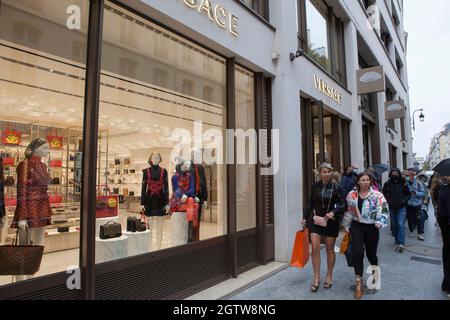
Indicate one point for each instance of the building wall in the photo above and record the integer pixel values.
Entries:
(255, 48)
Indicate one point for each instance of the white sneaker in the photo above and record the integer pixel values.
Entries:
(421, 237)
(401, 248)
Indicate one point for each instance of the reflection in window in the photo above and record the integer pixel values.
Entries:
(245, 173)
(41, 110)
(317, 32)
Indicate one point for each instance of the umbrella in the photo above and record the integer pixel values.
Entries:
(381, 167)
(443, 168)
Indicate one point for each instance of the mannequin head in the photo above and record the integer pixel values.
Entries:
(155, 159)
(186, 166)
(38, 148)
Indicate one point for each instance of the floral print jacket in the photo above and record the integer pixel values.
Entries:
(375, 209)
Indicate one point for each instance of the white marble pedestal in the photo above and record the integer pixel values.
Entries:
(180, 228)
(102, 221)
(111, 249)
(138, 242)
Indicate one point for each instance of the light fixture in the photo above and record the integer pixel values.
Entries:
(298, 53)
(422, 117)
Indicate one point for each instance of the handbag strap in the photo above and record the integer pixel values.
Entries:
(15, 240)
(331, 196)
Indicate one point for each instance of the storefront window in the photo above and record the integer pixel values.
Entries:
(42, 81)
(317, 32)
(245, 172)
(176, 87)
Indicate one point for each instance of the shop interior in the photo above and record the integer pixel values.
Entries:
(146, 96)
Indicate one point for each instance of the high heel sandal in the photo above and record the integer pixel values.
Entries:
(328, 285)
(314, 287)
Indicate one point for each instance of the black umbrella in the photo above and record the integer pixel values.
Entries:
(443, 168)
(381, 167)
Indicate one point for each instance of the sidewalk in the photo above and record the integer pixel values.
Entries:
(415, 274)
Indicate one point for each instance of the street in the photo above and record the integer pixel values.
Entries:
(415, 274)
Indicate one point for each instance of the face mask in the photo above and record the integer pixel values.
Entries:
(355, 171)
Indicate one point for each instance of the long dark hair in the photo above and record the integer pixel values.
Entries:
(359, 176)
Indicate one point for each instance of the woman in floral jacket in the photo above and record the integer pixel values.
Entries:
(367, 212)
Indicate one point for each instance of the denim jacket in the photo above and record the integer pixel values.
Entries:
(375, 209)
(417, 199)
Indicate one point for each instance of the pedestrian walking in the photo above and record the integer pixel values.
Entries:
(423, 179)
(322, 216)
(397, 195)
(414, 214)
(348, 179)
(367, 213)
(376, 179)
(444, 223)
(435, 185)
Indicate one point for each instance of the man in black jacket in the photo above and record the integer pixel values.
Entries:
(397, 195)
(443, 218)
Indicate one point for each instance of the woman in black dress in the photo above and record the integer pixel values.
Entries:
(328, 204)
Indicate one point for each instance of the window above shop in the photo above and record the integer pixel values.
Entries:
(260, 7)
(321, 36)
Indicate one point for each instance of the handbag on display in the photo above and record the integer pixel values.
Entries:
(106, 206)
(115, 190)
(20, 260)
(110, 230)
(126, 161)
(117, 161)
(9, 181)
(125, 171)
(55, 198)
(131, 194)
(63, 229)
(56, 163)
(72, 157)
(8, 161)
(132, 170)
(136, 225)
(125, 191)
(117, 170)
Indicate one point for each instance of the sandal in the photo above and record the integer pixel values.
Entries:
(327, 285)
(314, 287)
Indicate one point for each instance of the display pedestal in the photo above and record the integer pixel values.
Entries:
(180, 227)
(102, 221)
(138, 242)
(111, 249)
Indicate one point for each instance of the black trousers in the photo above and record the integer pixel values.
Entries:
(364, 236)
(445, 230)
(414, 215)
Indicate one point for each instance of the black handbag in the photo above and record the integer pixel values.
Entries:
(110, 230)
(63, 229)
(117, 161)
(135, 225)
(132, 171)
(9, 181)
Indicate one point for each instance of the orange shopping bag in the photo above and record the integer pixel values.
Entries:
(300, 253)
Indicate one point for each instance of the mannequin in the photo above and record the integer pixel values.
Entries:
(155, 195)
(33, 211)
(201, 188)
(183, 197)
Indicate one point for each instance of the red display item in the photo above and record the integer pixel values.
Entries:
(55, 142)
(8, 161)
(12, 202)
(55, 198)
(107, 206)
(11, 137)
(55, 163)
